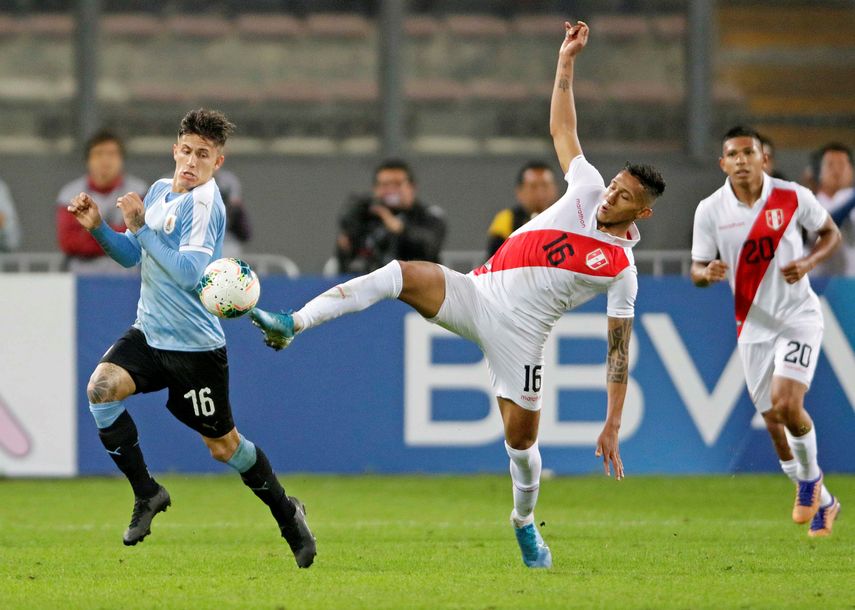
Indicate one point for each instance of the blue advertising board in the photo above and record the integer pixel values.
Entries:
(385, 391)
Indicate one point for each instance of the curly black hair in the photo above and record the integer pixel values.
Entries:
(209, 124)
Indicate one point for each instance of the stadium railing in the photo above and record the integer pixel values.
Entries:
(53, 262)
(649, 262)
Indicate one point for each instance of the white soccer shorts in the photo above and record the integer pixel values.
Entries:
(515, 360)
(792, 354)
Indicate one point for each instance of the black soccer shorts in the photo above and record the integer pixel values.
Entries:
(198, 382)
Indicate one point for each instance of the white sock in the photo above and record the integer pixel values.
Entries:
(804, 448)
(525, 474)
(790, 468)
(352, 296)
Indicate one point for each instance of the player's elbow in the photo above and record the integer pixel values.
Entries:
(189, 282)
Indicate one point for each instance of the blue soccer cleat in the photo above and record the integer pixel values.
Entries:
(278, 328)
(807, 499)
(823, 520)
(535, 553)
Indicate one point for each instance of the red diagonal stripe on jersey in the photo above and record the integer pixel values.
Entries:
(558, 249)
(770, 224)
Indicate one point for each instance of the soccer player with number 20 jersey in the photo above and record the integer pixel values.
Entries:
(750, 232)
(579, 247)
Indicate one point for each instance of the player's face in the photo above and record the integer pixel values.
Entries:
(393, 187)
(196, 160)
(835, 172)
(104, 163)
(625, 201)
(742, 159)
(537, 191)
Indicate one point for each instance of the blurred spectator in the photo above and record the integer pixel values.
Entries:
(810, 174)
(238, 230)
(10, 230)
(769, 166)
(105, 181)
(535, 191)
(391, 223)
(835, 193)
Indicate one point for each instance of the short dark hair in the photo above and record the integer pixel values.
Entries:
(766, 141)
(742, 131)
(648, 176)
(101, 136)
(835, 147)
(398, 164)
(533, 164)
(211, 125)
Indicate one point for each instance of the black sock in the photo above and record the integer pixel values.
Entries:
(261, 479)
(121, 441)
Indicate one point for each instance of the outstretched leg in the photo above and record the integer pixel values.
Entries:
(525, 464)
(418, 284)
(257, 474)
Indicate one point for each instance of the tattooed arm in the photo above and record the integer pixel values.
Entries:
(617, 372)
(562, 111)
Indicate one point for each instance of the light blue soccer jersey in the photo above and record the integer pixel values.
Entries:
(171, 317)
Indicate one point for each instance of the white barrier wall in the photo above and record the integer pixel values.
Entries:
(38, 366)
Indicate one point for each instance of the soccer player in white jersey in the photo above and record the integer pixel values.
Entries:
(174, 342)
(750, 232)
(579, 247)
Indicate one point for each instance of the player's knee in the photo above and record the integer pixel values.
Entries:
(101, 388)
(785, 407)
(521, 441)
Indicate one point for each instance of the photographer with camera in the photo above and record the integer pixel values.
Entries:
(390, 224)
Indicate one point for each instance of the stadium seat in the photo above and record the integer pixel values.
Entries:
(339, 25)
(54, 25)
(131, 25)
(476, 26)
(269, 26)
(198, 26)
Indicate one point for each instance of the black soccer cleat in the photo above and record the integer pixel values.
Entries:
(144, 511)
(299, 537)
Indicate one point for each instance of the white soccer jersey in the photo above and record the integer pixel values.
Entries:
(559, 260)
(756, 242)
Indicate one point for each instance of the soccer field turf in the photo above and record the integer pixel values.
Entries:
(428, 542)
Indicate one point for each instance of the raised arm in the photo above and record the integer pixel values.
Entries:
(617, 373)
(185, 268)
(121, 247)
(562, 111)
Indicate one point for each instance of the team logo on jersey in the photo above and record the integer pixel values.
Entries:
(596, 259)
(775, 218)
(169, 225)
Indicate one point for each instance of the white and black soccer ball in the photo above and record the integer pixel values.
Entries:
(229, 288)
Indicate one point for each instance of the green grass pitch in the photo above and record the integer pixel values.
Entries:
(426, 542)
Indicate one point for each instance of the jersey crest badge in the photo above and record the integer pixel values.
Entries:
(596, 259)
(169, 225)
(775, 218)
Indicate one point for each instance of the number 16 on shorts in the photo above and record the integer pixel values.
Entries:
(203, 404)
(532, 378)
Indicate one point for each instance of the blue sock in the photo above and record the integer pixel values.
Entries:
(105, 413)
(244, 456)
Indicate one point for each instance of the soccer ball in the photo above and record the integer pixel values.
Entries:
(229, 288)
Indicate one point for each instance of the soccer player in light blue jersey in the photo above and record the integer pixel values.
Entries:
(174, 342)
